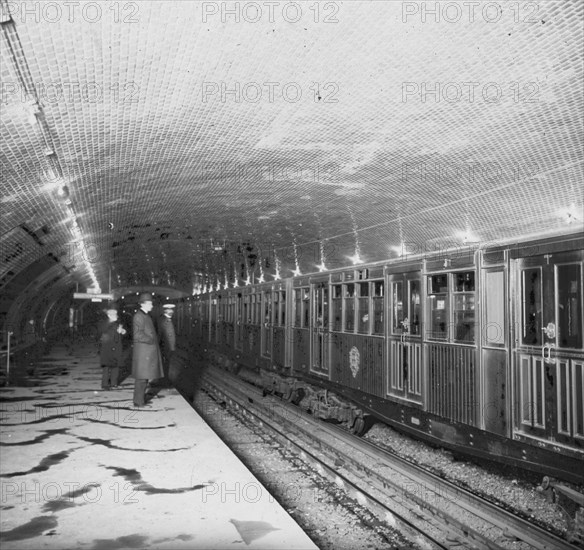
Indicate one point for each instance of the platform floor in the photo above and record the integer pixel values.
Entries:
(83, 468)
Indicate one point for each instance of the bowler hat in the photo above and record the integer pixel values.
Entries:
(145, 297)
(168, 306)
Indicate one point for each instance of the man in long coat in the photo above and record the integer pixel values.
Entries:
(110, 349)
(146, 360)
(167, 339)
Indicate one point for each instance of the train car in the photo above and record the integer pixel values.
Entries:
(480, 352)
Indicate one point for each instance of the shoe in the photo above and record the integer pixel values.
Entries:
(106, 389)
(146, 405)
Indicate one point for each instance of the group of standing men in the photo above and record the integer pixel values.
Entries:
(152, 349)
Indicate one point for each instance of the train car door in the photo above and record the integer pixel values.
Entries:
(319, 328)
(548, 347)
(404, 338)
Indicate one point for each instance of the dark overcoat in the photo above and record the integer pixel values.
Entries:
(167, 335)
(110, 344)
(146, 360)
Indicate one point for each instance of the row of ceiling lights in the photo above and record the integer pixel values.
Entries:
(36, 118)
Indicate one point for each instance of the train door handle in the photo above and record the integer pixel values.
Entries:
(550, 331)
(550, 359)
(547, 357)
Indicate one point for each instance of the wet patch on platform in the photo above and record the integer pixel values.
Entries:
(44, 464)
(129, 541)
(38, 439)
(67, 500)
(118, 425)
(34, 528)
(182, 538)
(108, 443)
(21, 398)
(135, 477)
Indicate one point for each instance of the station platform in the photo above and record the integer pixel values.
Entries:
(83, 468)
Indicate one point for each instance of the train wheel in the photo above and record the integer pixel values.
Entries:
(297, 396)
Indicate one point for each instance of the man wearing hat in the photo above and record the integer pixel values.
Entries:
(110, 348)
(167, 339)
(146, 359)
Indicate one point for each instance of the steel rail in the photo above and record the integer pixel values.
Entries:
(454, 532)
(512, 525)
(324, 469)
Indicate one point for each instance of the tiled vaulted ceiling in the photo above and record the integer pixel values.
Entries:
(197, 137)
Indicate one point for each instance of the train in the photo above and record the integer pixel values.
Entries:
(479, 353)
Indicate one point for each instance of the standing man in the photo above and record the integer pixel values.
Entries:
(167, 339)
(110, 349)
(146, 360)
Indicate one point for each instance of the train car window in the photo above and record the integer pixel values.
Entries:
(464, 317)
(363, 309)
(438, 284)
(246, 312)
(415, 307)
(305, 308)
(438, 307)
(531, 314)
(325, 308)
(258, 309)
(397, 308)
(276, 305)
(494, 332)
(362, 274)
(377, 307)
(465, 282)
(297, 307)
(267, 318)
(337, 296)
(349, 307)
(569, 306)
(283, 309)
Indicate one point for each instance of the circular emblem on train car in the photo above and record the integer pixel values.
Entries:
(354, 361)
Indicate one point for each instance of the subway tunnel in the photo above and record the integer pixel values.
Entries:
(369, 180)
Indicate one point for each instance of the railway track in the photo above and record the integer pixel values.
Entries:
(432, 512)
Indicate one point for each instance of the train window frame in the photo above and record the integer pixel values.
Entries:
(441, 299)
(337, 307)
(494, 318)
(302, 307)
(464, 297)
(448, 297)
(412, 307)
(559, 316)
(305, 307)
(259, 314)
(539, 304)
(246, 311)
(375, 299)
(396, 328)
(267, 307)
(363, 314)
(349, 313)
(297, 308)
